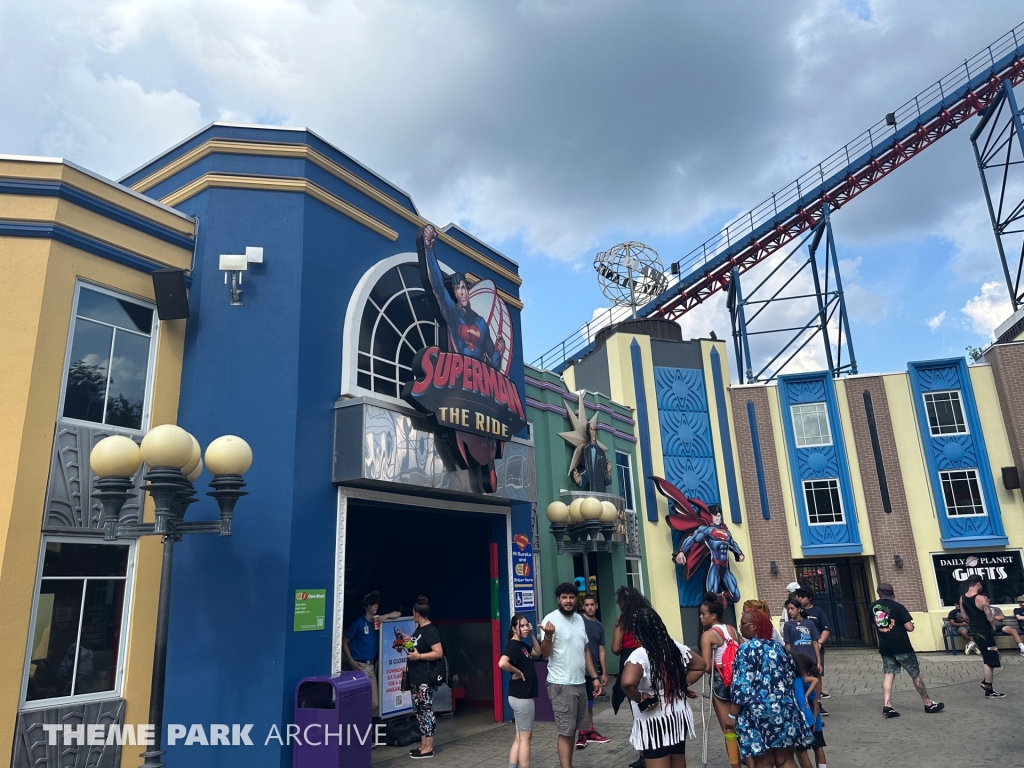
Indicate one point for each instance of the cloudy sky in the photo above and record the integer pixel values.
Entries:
(556, 128)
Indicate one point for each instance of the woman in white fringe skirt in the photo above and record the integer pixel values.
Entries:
(655, 679)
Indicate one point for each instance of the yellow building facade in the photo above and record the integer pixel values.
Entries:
(77, 252)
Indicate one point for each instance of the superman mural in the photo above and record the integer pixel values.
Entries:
(705, 538)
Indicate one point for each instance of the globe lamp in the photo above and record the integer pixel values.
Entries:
(590, 509)
(228, 455)
(196, 472)
(195, 460)
(575, 516)
(115, 456)
(609, 514)
(167, 446)
(558, 512)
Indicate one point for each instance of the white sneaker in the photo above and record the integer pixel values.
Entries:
(971, 647)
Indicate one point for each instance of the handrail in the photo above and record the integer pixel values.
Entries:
(745, 231)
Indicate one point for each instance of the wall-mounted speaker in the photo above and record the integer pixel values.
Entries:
(171, 297)
(1011, 479)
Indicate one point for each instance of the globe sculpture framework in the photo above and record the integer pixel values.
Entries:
(631, 274)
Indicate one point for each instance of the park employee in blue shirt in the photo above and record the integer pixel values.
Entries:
(361, 641)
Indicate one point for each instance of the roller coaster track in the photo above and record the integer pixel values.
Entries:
(799, 206)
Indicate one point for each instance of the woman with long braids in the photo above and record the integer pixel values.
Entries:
(655, 679)
(764, 712)
(630, 601)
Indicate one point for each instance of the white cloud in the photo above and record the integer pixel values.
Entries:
(935, 322)
(988, 309)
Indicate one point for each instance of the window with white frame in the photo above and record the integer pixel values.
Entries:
(108, 372)
(962, 492)
(810, 425)
(625, 474)
(824, 503)
(945, 413)
(397, 322)
(634, 576)
(79, 621)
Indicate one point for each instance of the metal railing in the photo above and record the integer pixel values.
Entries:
(853, 156)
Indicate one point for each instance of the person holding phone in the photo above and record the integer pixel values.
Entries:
(517, 660)
(656, 680)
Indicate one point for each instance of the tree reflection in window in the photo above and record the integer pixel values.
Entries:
(110, 347)
(397, 323)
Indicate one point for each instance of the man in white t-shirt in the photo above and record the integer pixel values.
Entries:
(565, 646)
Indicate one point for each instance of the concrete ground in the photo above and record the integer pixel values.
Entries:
(972, 731)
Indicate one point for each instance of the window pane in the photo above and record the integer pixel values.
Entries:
(101, 634)
(55, 638)
(962, 493)
(945, 413)
(107, 309)
(810, 424)
(87, 375)
(387, 286)
(128, 371)
(823, 502)
(625, 478)
(63, 559)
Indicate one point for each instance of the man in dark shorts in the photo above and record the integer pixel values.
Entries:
(595, 644)
(979, 614)
(1018, 613)
(893, 622)
(817, 615)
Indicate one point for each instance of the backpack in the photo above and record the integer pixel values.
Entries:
(728, 656)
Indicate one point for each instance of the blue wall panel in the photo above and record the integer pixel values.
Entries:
(965, 451)
(819, 462)
(688, 452)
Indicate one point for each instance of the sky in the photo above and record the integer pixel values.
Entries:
(554, 129)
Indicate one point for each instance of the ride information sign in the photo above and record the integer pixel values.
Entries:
(393, 700)
(310, 609)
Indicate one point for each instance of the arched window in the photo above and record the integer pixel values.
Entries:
(396, 323)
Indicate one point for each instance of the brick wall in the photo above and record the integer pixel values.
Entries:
(891, 532)
(769, 539)
(1007, 361)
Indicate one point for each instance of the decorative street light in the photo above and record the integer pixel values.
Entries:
(174, 462)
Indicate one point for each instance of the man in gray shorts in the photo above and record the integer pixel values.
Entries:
(565, 646)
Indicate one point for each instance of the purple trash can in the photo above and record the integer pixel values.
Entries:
(334, 703)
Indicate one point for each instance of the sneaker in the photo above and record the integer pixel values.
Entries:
(826, 695)
(970, 648)
(889, 712)
(596, 738)
(639, 763)
(992, 693)
(1022, 651)
(416, 754)
(581, 740)
(822, 711)
(935, 706)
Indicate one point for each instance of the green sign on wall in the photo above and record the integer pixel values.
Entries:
(310, 609)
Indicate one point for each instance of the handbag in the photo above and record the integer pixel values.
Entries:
(403, 684)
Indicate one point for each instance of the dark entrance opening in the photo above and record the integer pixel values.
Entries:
(840, 588)
(403, 552)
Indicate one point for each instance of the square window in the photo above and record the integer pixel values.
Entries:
(962, 492)
(945, 413)
(76, 639)
(810, 425)
(108, 371)
(824, 505)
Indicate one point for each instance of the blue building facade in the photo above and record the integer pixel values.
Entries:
(308, 369)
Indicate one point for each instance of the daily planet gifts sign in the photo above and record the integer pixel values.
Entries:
(1003, 572)
(463, 381)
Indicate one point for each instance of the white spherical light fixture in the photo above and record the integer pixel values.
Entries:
(194, 460)
(575, 516)
(609, 514)
(590, 508)
(167, 446)
(228, 455)
(115, 456)
(558, 512)
(197, 470)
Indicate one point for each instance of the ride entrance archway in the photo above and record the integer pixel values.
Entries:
(840, 588)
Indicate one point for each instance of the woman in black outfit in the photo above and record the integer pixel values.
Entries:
(422, 666)
(517, 660)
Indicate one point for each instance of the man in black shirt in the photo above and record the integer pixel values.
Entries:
(893, 622)
(816, 615)
(979, 614)
(1018, 613)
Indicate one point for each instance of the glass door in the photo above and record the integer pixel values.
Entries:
(840, 589)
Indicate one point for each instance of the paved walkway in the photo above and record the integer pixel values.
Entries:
(855, 731)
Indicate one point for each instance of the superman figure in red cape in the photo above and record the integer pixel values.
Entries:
(706, 535)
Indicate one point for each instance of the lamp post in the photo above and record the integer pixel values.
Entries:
(174, 461)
